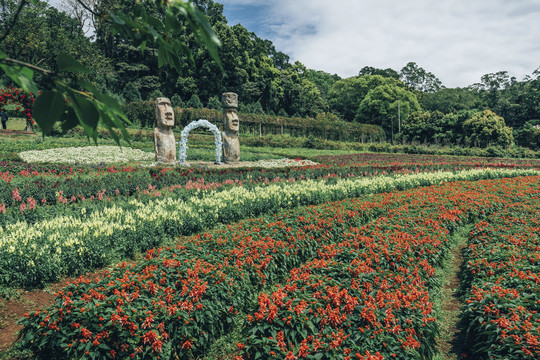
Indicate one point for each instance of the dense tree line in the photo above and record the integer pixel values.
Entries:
(410, 105)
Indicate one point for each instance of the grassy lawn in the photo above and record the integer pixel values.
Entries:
(298, 152)
(16, 123)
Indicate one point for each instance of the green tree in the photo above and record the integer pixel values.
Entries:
(369, 70)
(422, 126)
(487, 128)
(252, 108)
(516, 101)
(176, 101)
(491, 86)
(346, 95)
(41, 33)
(381, 106)
(300, 96)
(131, 65)
(451, 100)
(214, 103)
(419, 79)
(154, 94)
(434, 127)
(519, 102)
(450, 127)
(194, 102)
(131, 93)
(529, 134)
(323, 80)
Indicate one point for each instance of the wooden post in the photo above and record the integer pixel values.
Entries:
(399, 115)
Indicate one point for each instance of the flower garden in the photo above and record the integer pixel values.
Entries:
(336, 259)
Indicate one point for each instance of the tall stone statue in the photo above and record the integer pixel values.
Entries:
(231, 125)
(164, 144)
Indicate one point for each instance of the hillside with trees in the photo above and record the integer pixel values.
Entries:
(411, 105)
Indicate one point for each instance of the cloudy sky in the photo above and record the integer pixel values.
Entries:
(457, 40)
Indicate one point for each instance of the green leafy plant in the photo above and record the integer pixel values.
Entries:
(83, 104)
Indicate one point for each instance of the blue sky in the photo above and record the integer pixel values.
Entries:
(456, 40)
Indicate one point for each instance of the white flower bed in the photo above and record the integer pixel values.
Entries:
(115, 154)
(87, 155)
(283, 163)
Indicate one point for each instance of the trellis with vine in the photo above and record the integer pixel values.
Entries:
(24, 101)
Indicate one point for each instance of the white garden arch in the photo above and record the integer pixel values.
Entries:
(182, 147)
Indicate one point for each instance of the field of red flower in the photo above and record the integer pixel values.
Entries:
(502, 278)
(343, 280)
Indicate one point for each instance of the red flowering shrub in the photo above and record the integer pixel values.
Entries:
(371, 291)
(503, 281)
(190, 292)
(24, 100)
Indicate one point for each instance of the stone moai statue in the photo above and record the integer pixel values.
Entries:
(164, 144)
(231, 125)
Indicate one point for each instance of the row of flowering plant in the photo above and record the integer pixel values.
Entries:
(79, 238)
(82, 181)
(87, 155)
(502, 274)
(177, 301)
(395, 162)
(369, 294)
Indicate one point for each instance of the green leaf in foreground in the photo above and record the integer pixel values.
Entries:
(48, 109)
(21, 75)
(86, 111)
(67, 62)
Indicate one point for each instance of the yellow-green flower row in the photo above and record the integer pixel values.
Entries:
(34, 254)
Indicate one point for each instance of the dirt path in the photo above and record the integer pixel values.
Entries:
(450, 343)
(20, 302)
(14, 309)
(9, 132)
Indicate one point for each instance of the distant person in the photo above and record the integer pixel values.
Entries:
(4, 118)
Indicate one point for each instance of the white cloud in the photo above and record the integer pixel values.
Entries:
(457, 40)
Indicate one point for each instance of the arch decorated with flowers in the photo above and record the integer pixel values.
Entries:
(23, 100)
(182, 147)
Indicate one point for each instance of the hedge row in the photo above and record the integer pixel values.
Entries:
(141, 113)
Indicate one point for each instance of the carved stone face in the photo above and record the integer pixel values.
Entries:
(231, 120)
(164, 113)
(229, 100)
